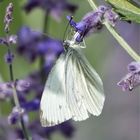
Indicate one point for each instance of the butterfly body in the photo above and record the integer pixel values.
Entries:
(73, 89)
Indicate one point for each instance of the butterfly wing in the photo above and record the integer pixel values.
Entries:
(84, 87)
(73, 90)
(53, 106)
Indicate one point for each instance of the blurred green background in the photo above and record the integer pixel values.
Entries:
(120, 119)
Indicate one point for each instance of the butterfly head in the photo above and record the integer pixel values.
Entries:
(68, 44)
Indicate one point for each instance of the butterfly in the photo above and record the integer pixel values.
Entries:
(73, 89)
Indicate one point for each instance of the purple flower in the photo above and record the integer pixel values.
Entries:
(12, 39)
(67, 129)
(27, 41)
(8, 16)
(15, 115)
(31, 105)
(6, 90)
(19, 134)
(132, 79)
(134, 66)
(50, 46)
(35, 82)
(111, 17)
(33, 44)
(22, 85)
(54, 7)
(9, 58)
(92, 22)
(6, 133)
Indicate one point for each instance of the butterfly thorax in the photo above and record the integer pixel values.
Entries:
(72, 44)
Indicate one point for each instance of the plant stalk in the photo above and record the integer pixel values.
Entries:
(44, 30)
(15, 97)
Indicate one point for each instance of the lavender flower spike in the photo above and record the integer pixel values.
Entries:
(132, 79)
(92, 22)
(8, 17)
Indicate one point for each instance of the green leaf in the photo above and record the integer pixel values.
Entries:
(128, 9)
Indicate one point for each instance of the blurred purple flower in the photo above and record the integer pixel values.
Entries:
(92, 22)
(6, 90)
(15, 115)
(19, 134)
(31, 105)
(35, 83)
(6, 133)
(132, 79)
(33, 44)
(65, 128)
(54, 7)
(27, 41)
(22, 85)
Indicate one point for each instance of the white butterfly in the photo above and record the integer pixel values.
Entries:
(73, 89)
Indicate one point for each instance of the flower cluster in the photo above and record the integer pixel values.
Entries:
(33, 44)
(132, 79)
(93, 22)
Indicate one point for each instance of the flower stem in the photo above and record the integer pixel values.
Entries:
(16, 101)
(123, 43)
(44, 30)
(45, 24)
(120, 40)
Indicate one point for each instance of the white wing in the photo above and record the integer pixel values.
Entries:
(53, 106)
(73, 90)
(84, 87)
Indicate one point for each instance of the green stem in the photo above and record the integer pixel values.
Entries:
(123, 43)
(45, 24)
(120, 40)
(45, 27)
(16, 101)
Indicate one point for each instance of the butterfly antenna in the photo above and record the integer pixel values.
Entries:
(64, 36)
